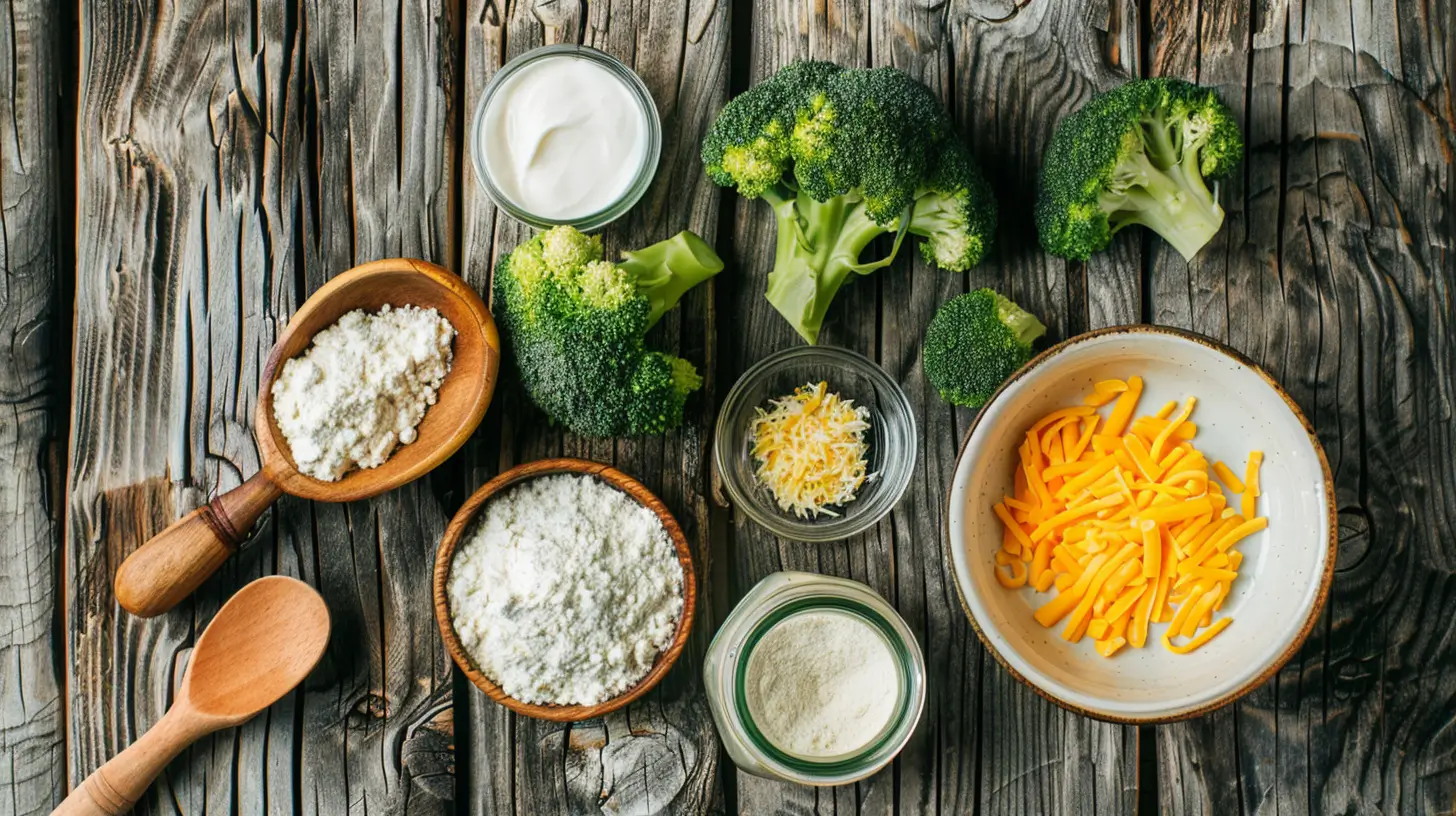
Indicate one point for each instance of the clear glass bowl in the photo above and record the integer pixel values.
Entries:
(776, 597)
(892, 439)
(645, 173)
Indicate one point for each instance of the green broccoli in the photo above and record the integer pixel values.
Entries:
(574, 324)
(844, 156)
(1137, 154)
(974, 342)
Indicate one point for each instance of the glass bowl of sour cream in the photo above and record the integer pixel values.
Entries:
(565, 134)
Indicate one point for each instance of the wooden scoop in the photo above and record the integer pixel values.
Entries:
(167, 568)
(262, 643)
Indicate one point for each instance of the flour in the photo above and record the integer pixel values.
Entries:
(361, 388)
(566, 591)
(822, 683)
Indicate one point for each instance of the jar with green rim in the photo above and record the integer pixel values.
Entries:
(814, 679)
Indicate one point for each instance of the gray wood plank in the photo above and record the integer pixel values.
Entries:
(782, 32)
(661, 754)
(232, 157)
(1334, 271)
(1022, 68)
(1003, 75)
(32, 453)
(380, 85)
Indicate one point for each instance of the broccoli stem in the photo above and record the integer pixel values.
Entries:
(1176, 204)
(818, 246)
(665, 271)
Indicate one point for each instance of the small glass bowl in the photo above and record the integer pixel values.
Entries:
(725, 669)
(640, 182)
(892, 439)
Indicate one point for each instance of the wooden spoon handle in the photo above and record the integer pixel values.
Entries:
(114, 787)
(174, 562)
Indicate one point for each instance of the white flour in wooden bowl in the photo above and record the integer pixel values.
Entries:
(361, 388)
(566, 591)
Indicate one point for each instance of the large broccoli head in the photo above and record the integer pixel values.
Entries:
(974, 342)
(574, 324)
(844, 156)
(1137, 154)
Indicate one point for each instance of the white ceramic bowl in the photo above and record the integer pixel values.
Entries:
(1286, 570)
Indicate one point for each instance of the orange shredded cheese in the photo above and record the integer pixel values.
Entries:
(1228, 478)
(1251, 484)
(811, 451)
(1120, 516)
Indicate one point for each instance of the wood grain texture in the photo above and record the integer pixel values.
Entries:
(32, 738)
(1020, 69)
(380, 99)
(232, 157)
(661, 753)
(781, 33)
(1334, 270)
(1004, 73)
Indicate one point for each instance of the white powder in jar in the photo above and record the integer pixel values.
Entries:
(822, 683)
(361, 388)
(566, 591)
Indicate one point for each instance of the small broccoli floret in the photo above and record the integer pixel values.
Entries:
(955, 213)
(844, 156)
(574, 324)
(1137, 154)
(974, 342)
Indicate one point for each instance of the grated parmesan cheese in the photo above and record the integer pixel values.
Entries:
(811, 450)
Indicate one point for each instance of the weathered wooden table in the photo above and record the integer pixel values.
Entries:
(177, 177)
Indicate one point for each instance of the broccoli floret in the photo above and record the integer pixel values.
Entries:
(1137, 154)
(574, 324)
(974, 342)
(844, 156)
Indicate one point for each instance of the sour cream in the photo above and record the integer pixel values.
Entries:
(563, 137)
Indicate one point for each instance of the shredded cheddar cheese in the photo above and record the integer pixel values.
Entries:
(1126, 523)
(811, 450)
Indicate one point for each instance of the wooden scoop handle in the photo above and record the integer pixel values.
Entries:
(114, 787)
(177, 560)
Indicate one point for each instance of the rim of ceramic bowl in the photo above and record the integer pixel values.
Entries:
(1326, 576)
(817, 532)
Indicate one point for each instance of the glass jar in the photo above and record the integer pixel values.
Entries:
(652, 129)
(773, 600)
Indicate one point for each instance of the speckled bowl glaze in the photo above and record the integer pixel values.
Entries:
(1286, 570)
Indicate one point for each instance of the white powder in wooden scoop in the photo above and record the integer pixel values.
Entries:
(361, 388)
(822, 683)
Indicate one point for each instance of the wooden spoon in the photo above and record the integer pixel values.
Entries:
(261, 644)
(174, 562)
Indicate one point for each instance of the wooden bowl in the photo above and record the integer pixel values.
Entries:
(174, 562)
(464, 522)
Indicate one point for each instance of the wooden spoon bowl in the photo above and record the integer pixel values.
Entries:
(464, 522)
(462, 399)
(168, 567)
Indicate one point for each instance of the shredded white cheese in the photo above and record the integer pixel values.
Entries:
(811, 450)
(361, 388)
